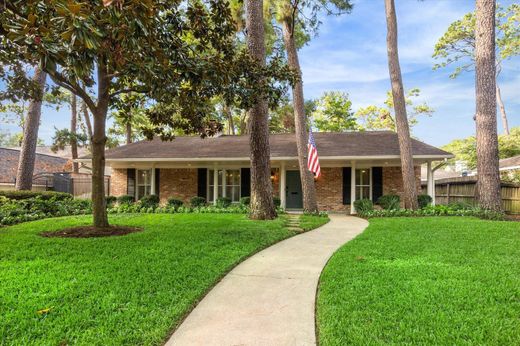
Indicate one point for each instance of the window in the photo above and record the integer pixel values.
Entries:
(363, 182)
(228, 184)
(144, 182)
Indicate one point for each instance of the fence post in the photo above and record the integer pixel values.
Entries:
(448, 193)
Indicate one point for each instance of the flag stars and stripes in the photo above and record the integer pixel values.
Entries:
(313, 162)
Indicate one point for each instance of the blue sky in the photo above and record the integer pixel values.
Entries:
(349, 55)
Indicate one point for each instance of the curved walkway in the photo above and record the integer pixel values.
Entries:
(269, 298)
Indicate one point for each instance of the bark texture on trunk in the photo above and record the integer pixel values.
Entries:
(128, 132)
(24, 174)
(73, 131)
(310, 204)
(488, 184)
(229, 115)
(98, 150)
(262, 205)
(503, 115)
(401, 118)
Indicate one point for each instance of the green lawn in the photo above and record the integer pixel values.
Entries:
(120, 290)
(430, 281)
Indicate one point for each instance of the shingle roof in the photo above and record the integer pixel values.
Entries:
(346, 144)
(510, 162)
(43, 164)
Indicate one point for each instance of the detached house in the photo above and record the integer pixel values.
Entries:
(354, 165)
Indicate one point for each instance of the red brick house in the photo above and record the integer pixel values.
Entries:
(354, 165)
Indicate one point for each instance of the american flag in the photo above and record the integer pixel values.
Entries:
(313, 162)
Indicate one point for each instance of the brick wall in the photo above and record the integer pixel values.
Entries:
(329, 189)
(179, 183)
(118, 182)
(393, 181)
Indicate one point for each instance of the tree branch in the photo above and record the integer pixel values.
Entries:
(74, 88)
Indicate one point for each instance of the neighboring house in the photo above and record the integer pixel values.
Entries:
(510, 168)
(354, 165)
(44, 164)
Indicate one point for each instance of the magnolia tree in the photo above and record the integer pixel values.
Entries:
(178, 54)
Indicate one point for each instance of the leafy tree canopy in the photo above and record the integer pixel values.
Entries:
(382, 117)
(457, 45)
(333, 113)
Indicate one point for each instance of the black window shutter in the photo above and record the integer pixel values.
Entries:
(347, 183)
(130, 182)
(157, 181)
(245, 182)
(202, 175)
(377, 183)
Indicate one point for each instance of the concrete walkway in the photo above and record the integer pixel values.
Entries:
(269, 298)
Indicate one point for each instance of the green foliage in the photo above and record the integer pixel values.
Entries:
(223, 202)
(465, 149)
(36, 207)
(125, 200)
(174, 203)
(389, 202)
(382, 117)
(333, 112)
(424, 200)
(456, 46)
(110, 200)
(44, 195)
(149, 201)
(406, 282)
(437, 210)
(245, 201)
(64, 137)
(277, 201)
(363, 206)
(197, 201)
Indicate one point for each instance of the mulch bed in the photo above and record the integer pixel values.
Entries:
(91, 232)
(515, 217)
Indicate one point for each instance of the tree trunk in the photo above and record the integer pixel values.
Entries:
(27, 157)
(488, 183)
(503, 114)
(300, 121)
(229, 115)
(86, 116)
(401, 118)
(128, 132)
(262, 205)
(99, 139)
(73, 128)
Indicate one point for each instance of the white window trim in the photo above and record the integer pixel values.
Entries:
(137, 184)
(210, 180)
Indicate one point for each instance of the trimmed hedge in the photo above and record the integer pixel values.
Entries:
(149, 201)
(174, 203)
(125, 199)
(45, 195)
(223, 202)
(389, 202)
(363, 205)
(424, 200)
(197, 201)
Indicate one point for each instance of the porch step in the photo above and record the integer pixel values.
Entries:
(293, 223)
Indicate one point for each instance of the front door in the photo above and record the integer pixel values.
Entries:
(293, 190)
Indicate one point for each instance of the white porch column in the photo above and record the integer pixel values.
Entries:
(152, 182)
(224, 183)
(430, 182)
(283, 185)
(215, 185)
(353, 187)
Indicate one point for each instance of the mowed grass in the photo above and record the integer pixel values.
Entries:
(127, 290)
(429, 281)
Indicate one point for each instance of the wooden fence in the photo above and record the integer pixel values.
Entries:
(462, 189)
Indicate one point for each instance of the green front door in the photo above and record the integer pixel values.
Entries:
(293, 190)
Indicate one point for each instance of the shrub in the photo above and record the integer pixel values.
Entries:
(125, 200)
(389, 202)
(45, 195)
(223, 202)
(245, 201)
(363, 206)
(149, 201)
(174, 203)
(197, 201)
(437, 210)
(424, 200)
(277, 201)
(111, 200)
